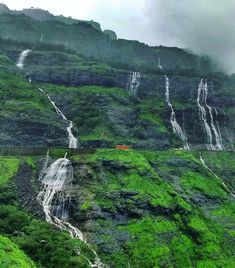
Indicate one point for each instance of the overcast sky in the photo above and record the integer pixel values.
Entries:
(204, 26)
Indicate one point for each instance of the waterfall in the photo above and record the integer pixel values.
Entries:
(218, 138)
(44, 168)
(159, 64)
(73, 142)
(176, 127)
(21, 59)
(202, 99)
(202, 115)
(219, 131)
(225, 186)
(55, 199)
(133, 83)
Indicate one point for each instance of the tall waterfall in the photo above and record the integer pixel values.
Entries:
(73, 142)
(202, 100)
(159, 64)
(231, 191)
(55, 199)
(176, 127)
(219, 131)
(218, 139)
(22, 57)
(133, 83)
(202, 115)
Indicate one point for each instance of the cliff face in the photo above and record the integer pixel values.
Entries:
(105, 112)
(136, 208)
(154, 204)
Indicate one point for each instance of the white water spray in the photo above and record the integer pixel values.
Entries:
(73, 142)
(55, 200)
(219, 131)
(225, 186)
(218, 138)
(22, 57)
(133, 83)
(202, 99)
(159, 64)
(176, 127)
(202, 115)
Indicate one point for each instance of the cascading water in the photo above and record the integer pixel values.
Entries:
(133, 83)
(55, 199)
(159, 63)
(176, 127)
(22, 57)
(219, 131)
(218, 139)
(202, 114)
(202, 100)
(73, 142)
(232, 192)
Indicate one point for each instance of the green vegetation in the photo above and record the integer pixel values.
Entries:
(157, 192)
(145, 208)
(8, 168)
(46, 246)
(194, 181)
(11, 256)
(138, 207)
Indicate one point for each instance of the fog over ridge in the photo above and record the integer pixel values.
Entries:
(202, 26)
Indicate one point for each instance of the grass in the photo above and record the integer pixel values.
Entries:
(11, 256)
(8, 168)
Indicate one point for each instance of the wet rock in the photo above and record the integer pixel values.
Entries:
(27, 194)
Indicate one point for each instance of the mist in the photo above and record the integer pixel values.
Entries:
(203, 26)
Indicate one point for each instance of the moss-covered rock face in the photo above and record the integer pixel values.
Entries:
(154, 209)
(27, 118)
(136, 208)
(103, 112)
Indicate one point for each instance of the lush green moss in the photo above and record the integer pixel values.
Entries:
(209, 186)
(155, 194)
(183, 251)
(11, 256)
(8, 168)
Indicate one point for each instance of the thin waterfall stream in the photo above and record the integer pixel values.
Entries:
(231, 191)
(218, 139)
(176, 127)
(73, 142)
(133, 83)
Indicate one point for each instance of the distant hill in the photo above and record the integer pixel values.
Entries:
(44, 15)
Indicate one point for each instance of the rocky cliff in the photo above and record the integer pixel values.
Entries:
(136, 208)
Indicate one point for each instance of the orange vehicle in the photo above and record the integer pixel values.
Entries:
(122, 147)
